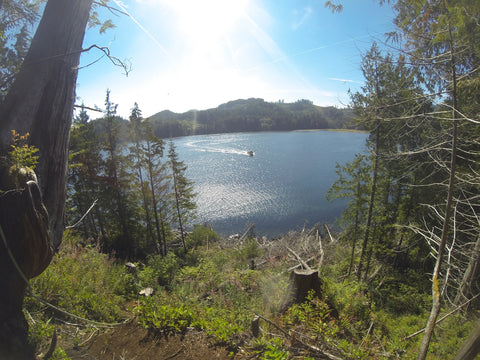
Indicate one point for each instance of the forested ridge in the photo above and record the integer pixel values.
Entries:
(250, 115)
(401, 279)
(245, 116)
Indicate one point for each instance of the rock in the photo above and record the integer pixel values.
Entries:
(146, 292)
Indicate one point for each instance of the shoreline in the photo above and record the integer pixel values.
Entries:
(335, 130)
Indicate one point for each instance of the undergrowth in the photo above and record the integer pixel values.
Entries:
(219, 286)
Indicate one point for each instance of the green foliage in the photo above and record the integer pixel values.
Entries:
(160, 270)
(22, 154)
(201, 235)
(183, 194)
(275, 350)
(250, 249)
(17, 20)
(40, 334)
(164, 318)
(59, 354)
(83, 282)
(40, 331)
(214, 294)
(250, 115)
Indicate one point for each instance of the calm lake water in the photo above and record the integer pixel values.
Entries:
(280, 188)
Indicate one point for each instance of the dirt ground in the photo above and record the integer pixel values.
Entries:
(130, 341)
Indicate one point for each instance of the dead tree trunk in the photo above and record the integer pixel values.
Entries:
(39, 102)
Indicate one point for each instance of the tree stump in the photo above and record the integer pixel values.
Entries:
(255, 326)
(301, 283)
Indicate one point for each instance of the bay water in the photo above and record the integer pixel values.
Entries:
(280, 188)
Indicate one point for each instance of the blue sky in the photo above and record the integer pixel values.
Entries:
(191, 54)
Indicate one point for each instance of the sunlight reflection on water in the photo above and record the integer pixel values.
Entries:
(279, 189)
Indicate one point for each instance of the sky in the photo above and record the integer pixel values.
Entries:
(192, 54)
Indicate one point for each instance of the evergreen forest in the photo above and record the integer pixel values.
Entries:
(400, 280)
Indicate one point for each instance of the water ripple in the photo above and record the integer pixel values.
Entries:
(278, 189)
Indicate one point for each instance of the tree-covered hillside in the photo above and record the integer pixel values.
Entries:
(249, 115)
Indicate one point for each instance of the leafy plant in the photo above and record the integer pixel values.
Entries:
(275, 351)
(84, 282)
(164, 317)
(22, 154)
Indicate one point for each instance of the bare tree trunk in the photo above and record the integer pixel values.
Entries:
(355, 232)
(371, 204)
(39, 102)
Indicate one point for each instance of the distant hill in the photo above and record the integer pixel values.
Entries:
(250, 115)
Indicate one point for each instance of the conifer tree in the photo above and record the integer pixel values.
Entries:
(84, 166)
(117, 195)
(150, 169)
(184, 197)
(441, 39)
(353, 182)
(138, 134)
(160, 183)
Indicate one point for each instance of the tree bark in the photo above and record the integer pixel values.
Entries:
(471, 347)
(22, 216)
(301, 283)
(471, 275)
(372, 201)
(39, 102)
(42, 97)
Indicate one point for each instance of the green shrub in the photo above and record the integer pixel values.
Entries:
(160, 270)
(164, 317)
(250, 249)
(201, 235)
(84, 282)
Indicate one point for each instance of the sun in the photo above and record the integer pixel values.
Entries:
(209, 19)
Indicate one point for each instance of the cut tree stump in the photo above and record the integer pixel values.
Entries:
(301, 283)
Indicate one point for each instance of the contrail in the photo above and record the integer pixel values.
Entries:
(143, 28)
(345, 80)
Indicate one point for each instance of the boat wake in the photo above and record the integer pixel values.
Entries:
(218, 148)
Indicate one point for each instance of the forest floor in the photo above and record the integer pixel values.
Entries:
(131, 341)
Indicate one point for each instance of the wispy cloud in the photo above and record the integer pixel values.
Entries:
(302, 17)
(148, 33)
(345, 80)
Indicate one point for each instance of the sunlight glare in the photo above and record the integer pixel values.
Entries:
(209, 19)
